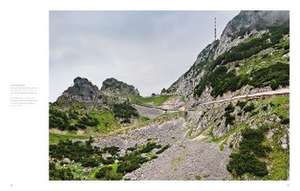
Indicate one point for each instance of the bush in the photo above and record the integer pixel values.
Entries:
(229, 108)
(107, 173)
(70, 119)
(128, 166)
(88, 120)
(245, 160)
(241, 104)
(113, 150)
(149, 147)
(58, 119)
(222, 81)
(130, 162)
(285, 121)
(59, 173)
(249, 108)
(251, 142)
(241, 163)
(91, 161)
(91, 157)
(162, 149)
(274, 75)
(78, 151)
(124, 111)
(229, 119)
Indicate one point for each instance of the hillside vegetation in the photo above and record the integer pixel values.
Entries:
(228, 73)
(157, 100)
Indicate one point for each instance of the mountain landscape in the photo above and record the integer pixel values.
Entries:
(225, 118)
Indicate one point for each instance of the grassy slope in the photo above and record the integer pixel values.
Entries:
(107, 121)
(54, 138)
(153, 100)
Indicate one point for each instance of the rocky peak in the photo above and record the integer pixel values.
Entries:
(82, 90)
(247, 23)
(114, 86)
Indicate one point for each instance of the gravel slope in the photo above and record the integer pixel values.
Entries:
(148, 111)
(186, 159)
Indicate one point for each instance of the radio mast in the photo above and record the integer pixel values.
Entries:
(215, 29)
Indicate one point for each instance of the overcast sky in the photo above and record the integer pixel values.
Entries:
(147, 49)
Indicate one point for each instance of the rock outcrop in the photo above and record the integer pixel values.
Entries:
(113, 86)
(247, 23)
(84, 91)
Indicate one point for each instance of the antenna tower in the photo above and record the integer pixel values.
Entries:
(215, 29)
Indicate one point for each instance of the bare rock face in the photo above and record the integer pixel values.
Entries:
(113, 86)
(247, 23)
(82, 91)
(186, 83)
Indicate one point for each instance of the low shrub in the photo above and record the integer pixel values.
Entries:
(241, 163)
(249, 108)
(285, 121)
(149, 147)
(70, 119)
(229, 108)
(107, 173)
(56, 173)
(241, 104)
(124, 111)
(229, 119)
(113, 167)
(246, 160)
(162, 149)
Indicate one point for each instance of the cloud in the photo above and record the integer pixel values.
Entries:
(148, 49)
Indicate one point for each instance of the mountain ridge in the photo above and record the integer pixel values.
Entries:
(248, 25)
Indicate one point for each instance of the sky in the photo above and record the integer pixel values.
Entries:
(147, 49)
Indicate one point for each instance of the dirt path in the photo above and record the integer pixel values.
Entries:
(283, 91)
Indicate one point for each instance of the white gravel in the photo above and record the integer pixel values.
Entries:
(186, 159)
